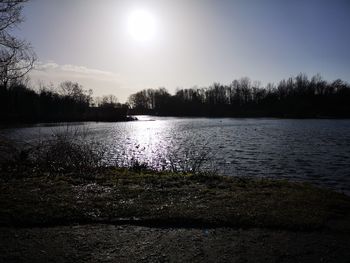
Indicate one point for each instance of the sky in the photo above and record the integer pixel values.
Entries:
(184, 43)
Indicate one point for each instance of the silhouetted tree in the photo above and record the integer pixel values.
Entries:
(16, 56)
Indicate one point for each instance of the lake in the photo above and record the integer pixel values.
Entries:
(316, 150)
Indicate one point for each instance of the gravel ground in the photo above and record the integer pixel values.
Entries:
(128, 243)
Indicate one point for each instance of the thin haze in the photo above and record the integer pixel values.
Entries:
(195, 42)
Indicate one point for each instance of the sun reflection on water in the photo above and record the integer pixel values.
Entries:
(145, 143)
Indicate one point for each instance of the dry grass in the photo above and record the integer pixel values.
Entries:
(146, 197)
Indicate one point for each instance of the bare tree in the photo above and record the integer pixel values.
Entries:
(16, 56)
(75, 91)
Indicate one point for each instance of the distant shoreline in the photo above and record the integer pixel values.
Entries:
(248, 117)
(61, 121)
(14, 124)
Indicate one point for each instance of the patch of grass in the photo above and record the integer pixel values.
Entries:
(114, 195)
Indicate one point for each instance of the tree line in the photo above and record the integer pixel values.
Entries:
(69, 101)
(18, 103)
(298, 97)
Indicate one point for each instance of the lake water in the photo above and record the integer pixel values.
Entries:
(316, 151)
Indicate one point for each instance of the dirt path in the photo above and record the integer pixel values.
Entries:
(127, 243)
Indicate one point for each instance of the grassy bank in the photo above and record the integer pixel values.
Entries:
(33, 198)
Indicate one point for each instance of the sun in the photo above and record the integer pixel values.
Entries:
(141, 25)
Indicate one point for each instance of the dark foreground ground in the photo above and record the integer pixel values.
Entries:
(124, 216)
(127, 243)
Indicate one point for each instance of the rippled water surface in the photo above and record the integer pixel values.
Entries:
(317, 151)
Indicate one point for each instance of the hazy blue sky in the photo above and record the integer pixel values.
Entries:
(195, 42)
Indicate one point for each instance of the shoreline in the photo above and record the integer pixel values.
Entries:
(5, 125)
(60, 122)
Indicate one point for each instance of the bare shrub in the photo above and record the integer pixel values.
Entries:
(137, 165)
(68, 150)
(190, 159)
(182, 154)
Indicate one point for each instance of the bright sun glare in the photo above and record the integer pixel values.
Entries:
(141, 25)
